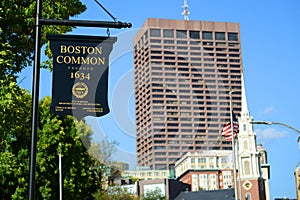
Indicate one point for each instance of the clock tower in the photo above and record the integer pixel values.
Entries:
(250, 175)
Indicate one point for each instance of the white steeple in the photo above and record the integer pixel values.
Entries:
(245, 111)
(251, 180)
(248, 155)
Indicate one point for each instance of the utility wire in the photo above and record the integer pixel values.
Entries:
(115, 19)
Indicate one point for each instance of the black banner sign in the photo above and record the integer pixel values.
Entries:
(80, 74)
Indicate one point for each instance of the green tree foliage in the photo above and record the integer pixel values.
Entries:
(15, 106)
(53, 130)
(63, 134)
(115, 193)
(121, 193)
(154, 195)
(80, 168)
(102, 166)
(17, 29)
(17, 36)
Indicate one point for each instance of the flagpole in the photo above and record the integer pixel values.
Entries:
(233, 147)
(240, 180)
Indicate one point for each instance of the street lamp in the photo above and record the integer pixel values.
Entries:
(279, 123)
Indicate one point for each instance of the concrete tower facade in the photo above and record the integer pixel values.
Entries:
(183, 71)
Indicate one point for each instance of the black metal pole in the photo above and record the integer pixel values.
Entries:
(86, 23)
(35, 101)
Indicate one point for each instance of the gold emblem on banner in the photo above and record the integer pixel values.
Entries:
(80, 90)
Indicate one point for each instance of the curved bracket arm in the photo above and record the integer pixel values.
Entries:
(279, 123)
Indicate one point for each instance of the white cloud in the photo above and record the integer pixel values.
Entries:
(270, 134)
(268, 110)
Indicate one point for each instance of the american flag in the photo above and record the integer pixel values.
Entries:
(226, 132)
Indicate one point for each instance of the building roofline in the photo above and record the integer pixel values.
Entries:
(198, 170)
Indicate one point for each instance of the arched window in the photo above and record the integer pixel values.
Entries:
(247, 167)
(245, 145)
(248, 196)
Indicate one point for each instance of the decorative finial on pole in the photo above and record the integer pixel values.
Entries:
(185, 12)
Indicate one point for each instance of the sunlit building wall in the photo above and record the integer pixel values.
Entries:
(183, 72)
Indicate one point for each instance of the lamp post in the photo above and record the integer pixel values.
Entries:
(60, 173)
(282, 124)
(279, 123)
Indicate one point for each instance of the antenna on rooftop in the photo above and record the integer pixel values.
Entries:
(185, 12)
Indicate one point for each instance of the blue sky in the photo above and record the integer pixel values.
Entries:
(270, 49)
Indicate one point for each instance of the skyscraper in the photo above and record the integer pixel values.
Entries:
(184, 71)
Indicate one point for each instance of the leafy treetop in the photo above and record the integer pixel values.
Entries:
(17, 29)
